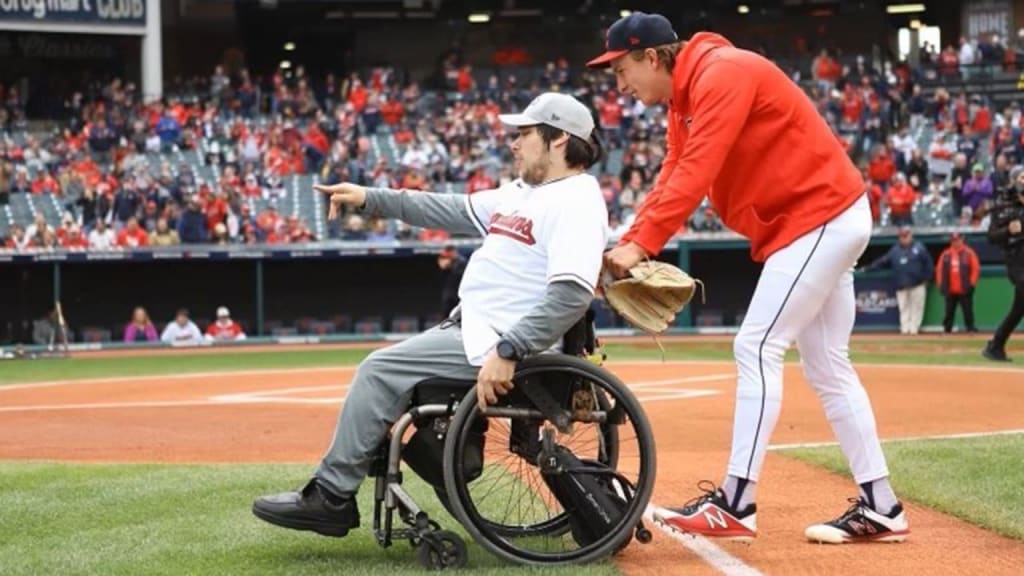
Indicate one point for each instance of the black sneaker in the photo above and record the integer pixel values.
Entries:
(862, 524)
(311, 508)
(994, 354)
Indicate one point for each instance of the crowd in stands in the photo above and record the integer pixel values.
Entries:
(117, 165)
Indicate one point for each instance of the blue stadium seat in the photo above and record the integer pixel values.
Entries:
(405, 325)
(369, 325)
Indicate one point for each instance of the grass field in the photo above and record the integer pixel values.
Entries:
(980, 480)
(912, 351)
(58, 518)
(161, 519)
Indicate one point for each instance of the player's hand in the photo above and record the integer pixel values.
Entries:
(494, 379)
(1015, 227)
(344, 194)
(620, 259)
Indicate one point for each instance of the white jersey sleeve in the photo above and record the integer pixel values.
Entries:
(482, 205)
(578, 237)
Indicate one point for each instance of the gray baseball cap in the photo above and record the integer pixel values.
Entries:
(558, 110)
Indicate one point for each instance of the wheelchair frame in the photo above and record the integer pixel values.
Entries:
(439, 549)
(436, 548)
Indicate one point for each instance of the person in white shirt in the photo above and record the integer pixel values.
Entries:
(182, 332)
(530, 281)
(101, 237)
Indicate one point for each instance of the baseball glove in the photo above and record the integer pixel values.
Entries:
(652, 295)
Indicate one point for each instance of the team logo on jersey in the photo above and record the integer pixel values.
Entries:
(514, 226)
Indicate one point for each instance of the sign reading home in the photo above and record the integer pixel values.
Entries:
(102, 12)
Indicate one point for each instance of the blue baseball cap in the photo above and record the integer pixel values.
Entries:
(637, 31)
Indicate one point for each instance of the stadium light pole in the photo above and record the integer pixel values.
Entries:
(152, 54)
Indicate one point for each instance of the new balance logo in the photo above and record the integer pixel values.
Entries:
(716, 518)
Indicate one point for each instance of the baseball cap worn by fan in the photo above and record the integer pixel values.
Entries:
(637, 31)
(557, 110)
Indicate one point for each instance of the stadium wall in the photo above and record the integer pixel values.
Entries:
(366, 291)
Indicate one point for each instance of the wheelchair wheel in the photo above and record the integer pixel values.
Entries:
(559, 524)
(513, 509)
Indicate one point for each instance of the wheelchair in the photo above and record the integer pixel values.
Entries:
(560, 471)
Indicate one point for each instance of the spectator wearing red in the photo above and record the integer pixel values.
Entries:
(73, 239)
(45, 183)
(224, 329)
(956, 275)
(132, 236)
(392, 111)
(900, 198)
(479, 181)
(875, 196)
(610, 110)
(853, 107)
(882, 169)
(358, 96)
(464, 83)
(18, 239)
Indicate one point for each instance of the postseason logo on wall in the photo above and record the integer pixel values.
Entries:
(877, 306)
(117, 12)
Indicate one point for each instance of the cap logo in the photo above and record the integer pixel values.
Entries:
(555, 118)
(634, 40)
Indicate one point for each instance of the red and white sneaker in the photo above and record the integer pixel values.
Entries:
(710, 515)
(862, 524)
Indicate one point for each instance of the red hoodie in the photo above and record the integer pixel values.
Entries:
(743, 133)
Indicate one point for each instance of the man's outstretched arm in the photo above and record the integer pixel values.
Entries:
(424, 209)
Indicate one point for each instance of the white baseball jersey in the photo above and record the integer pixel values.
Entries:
(533, 235)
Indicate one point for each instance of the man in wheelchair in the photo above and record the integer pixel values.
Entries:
(532, 279)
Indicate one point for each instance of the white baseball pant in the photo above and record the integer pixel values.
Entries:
(805, 294)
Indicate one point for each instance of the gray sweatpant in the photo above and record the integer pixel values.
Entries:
(380, 394)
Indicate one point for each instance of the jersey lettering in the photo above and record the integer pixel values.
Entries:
(516, 227)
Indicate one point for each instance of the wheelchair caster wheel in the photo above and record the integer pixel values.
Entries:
(644, 536)
(442, 550)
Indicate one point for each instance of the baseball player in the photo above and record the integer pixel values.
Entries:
(741, 133)
(528, 283)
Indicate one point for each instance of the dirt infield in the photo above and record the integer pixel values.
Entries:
(289, 415)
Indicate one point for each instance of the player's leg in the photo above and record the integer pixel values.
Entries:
(379, 394)
(794, 285)
(824, 355)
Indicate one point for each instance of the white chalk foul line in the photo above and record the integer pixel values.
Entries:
(176, 376)
(281, 396)
(105, 405)
(959, 436)
(706, 550)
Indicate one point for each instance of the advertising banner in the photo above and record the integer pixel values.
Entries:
(92, 12)
(876, 301)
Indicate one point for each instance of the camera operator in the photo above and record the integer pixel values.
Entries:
(1005, 230)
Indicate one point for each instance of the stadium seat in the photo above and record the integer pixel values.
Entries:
(322, 327)
(405, 325)
(305, 324)
(369, 325)
(95, 335)
(342, 323)
(709, 317)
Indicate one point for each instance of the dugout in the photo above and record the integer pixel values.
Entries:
(357, 291)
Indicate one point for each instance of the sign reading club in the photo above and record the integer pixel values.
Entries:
(75, 11)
